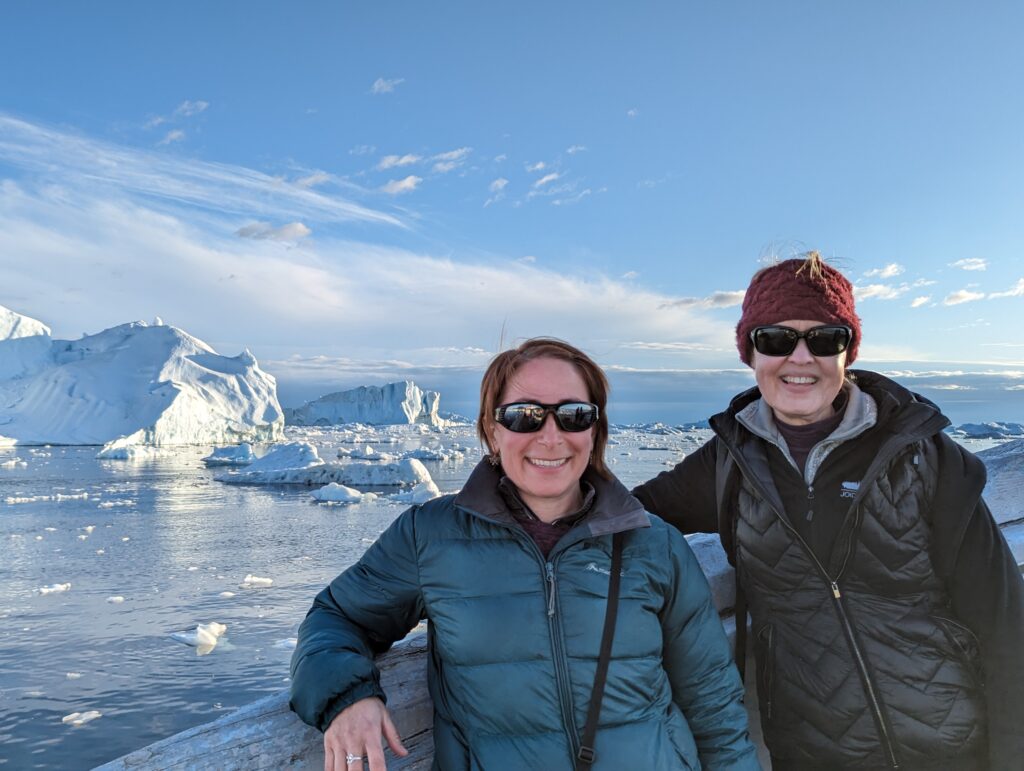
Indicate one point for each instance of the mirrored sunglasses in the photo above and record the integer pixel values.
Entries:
(527, 417)
(777, 340)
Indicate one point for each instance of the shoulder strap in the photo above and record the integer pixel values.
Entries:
(586, 755)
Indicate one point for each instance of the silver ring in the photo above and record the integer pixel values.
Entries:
(350, 758)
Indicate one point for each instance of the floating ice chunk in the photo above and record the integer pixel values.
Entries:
(81, 718)
(192, 568)
(252, 581)
(112, 504)
(54, 588)
(73, 675)
(50, 529)
(89, 528)
(82, 536)
(241, 455)
(227, 595)
(335, 493)
(14, 463)
(115, 599)
(421, 493)
(203, 639)
(100, 551)
(287, 644)
(126, 448)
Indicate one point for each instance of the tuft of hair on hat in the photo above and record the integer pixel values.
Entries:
(805, 287)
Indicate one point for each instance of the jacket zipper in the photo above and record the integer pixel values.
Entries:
(837, 598)
(559, 659)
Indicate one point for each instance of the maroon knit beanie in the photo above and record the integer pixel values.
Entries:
(800, 289)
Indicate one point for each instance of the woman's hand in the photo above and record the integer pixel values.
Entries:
(356, 732)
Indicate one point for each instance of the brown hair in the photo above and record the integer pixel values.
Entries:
(507, 363)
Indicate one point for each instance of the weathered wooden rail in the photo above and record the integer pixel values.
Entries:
(266, 735)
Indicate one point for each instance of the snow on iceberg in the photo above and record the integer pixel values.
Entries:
(421, 493)
(150, 385)
(402, 402)
(1005, 467)
(335, 493)
(988, 430)
(236, 455)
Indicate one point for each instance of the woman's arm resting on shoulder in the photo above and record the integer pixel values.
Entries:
(684, 496)
(705, 683)
(358, 616)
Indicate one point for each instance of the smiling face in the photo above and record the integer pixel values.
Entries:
(801, 387)
(545, 466)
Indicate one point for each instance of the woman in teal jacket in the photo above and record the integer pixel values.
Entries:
(513, 575)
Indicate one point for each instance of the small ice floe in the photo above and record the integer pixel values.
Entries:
(240, 455)
(112, 504)
(126, 538)
(115, 599)
(335, 493)
(82, 536)
(100, 551)
(367, 453)
(73, 675)
(126, 448)
(81, 718)
(251, 581)
(53, 588)
(39, 538)
(50, 529)
(287, 644)
(192, 568)
(226, 595)
(421, 493)
(14, 463)
(204, 639)
(435, 453)
(89, 528)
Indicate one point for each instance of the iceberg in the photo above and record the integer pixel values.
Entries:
(990, 430)
(133, 384)
(1005, 466)
(235, 455)
(395, 403)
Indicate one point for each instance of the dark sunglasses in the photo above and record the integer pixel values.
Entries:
(826, 340)
(527, 417)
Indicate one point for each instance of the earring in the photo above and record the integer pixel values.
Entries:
(494, 459)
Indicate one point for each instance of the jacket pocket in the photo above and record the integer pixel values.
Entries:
(766, 671)
(964, 643)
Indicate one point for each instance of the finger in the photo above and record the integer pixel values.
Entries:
(394, 740)
(328, 757)
(376, 760)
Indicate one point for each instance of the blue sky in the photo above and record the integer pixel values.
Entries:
(359, 192)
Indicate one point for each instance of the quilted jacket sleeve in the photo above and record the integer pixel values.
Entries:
(358, 616)
(684, 496)
(705, 684)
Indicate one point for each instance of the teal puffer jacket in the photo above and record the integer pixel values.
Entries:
(514, 638)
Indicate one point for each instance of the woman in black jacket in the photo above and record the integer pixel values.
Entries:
(887, 610)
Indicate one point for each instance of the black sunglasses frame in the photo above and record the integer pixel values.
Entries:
(814, 337)
(553, 409)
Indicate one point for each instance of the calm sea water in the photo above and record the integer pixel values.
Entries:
(169, 539)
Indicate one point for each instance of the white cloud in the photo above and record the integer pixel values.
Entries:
(546, 179)
(168, 183)
(632, 113)
(314, 179)
(445, 162)
(394, 161)
(630, 274)
(363, 150)
(156, 120)
(572, 199)
(962, 296)
(1017, 290)
(879, 291)
(385, 86)
(174, 135)
(889, 271)
(919, 301)
(188, 108)
(293, 231)
(538, 166)
(500, 158)
(971, 263)
(720, 299)
(398, 186)
(924, 282)
(670, 346)
(498, 185)
(576, 149)
(528, 259)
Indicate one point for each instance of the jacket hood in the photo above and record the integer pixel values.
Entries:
(614, 509)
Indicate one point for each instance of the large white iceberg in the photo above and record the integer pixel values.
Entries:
(402, 402)
(135, 383)
(1005, 466)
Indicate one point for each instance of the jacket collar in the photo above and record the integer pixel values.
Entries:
(613, 510)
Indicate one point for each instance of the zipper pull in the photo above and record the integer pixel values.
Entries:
(835, 590)
(551, 583)
(810, 502)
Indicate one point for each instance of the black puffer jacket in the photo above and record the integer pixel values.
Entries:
(874, 640)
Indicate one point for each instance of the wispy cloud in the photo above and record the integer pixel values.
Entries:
(394, 161)
(74, 161)
(497, 188)
(573, 149)
(1017, 290)
(971, 263)
(453, 159)
(189, 108)
(718, 299)
(314, 179)
(632, 112)
(676, 346)
(889, 271)
(917, 302)
(547, 179)
(293, 231)
(398, 186)
(385, 86)
(363, 150)
(174, 135)
(962, 296)
(880, 291)
(538, 166)
(576, 198)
